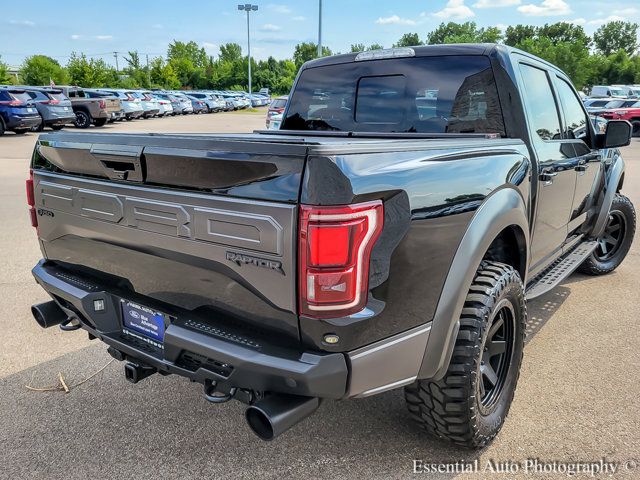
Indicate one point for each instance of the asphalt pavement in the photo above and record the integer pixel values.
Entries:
(577, 398)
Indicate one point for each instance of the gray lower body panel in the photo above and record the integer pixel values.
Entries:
(387, 364)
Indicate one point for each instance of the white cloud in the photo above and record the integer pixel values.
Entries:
(24, 23)
(610, 18)
(298, 18)
(547, 8)
(211, 48)
(578, 21)
(501, 26)
(455, 9)
(103, 37)
(270, 27)
(496, 3)
(75, 36)
(394, 20)
(627, 12)
(279, 8)
(157, 26)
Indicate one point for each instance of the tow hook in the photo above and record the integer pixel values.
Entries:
(134, 372)
(210, 389)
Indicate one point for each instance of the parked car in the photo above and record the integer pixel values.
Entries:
(18, 112)
(131, 107)
(631, 114)
(176, 105)
(629, 90)
(150, 105)
(276, 107)
(89, 110)
(164, 104)
(608, 91)
(54, 108)
(361, 248)
(210, 101)
(185, 103)
(199, 105)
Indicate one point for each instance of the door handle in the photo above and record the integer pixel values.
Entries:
(547, 176)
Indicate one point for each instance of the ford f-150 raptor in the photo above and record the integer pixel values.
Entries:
(387, 236)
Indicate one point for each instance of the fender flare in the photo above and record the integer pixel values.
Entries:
(613, 176)
(503, 209)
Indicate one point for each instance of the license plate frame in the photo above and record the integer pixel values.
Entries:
(143, 320)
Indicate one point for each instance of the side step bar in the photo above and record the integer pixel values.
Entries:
(561, 269)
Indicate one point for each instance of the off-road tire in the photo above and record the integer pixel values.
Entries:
(451, 408)
(635, 128)
(83, 119)
(100, 122)
(598, 264)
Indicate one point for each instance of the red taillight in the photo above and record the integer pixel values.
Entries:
(13, 103)
(50, 102)
(334, 253)
(31, 200)
(102, 104)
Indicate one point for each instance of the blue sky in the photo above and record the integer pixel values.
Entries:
(97, 27)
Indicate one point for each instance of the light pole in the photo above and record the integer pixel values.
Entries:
(247, 7)
(319, 28)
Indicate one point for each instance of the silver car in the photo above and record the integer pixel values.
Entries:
(185, 102)
(131, 106)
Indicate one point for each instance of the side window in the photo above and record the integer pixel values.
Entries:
(575, 118)
(541, 108)
(72, 94)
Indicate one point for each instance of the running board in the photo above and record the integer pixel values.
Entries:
(559, 270)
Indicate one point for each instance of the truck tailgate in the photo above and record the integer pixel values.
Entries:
(203, 223)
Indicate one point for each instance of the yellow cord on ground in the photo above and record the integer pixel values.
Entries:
(62, 385)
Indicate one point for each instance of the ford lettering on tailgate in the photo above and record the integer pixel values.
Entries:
(238, 229)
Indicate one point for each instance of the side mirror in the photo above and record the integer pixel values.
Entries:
(617, 134)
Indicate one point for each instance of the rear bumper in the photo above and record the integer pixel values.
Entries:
(202, 349)
(19, 121)
(194, 347)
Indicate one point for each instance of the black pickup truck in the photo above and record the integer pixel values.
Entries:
(388, 236)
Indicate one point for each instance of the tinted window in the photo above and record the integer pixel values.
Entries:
(423, 94)
(4, 96)
(278, 103)
(377, 99)
(541, 107)
(574, 116)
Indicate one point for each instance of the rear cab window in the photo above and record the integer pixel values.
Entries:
(438, 94)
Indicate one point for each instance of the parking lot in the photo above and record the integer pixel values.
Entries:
(577, 398)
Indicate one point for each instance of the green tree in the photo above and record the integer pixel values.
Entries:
(162, 74)
(516, 34)
(375, 46)
(618, 35)
(564, 32)
(308, 51)
(230, 52)
(408, 40)
(358, 47)
(189, 50)
(40, 70)
(467, 32)
(138, 74)
(4, 73)
(90, 72)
